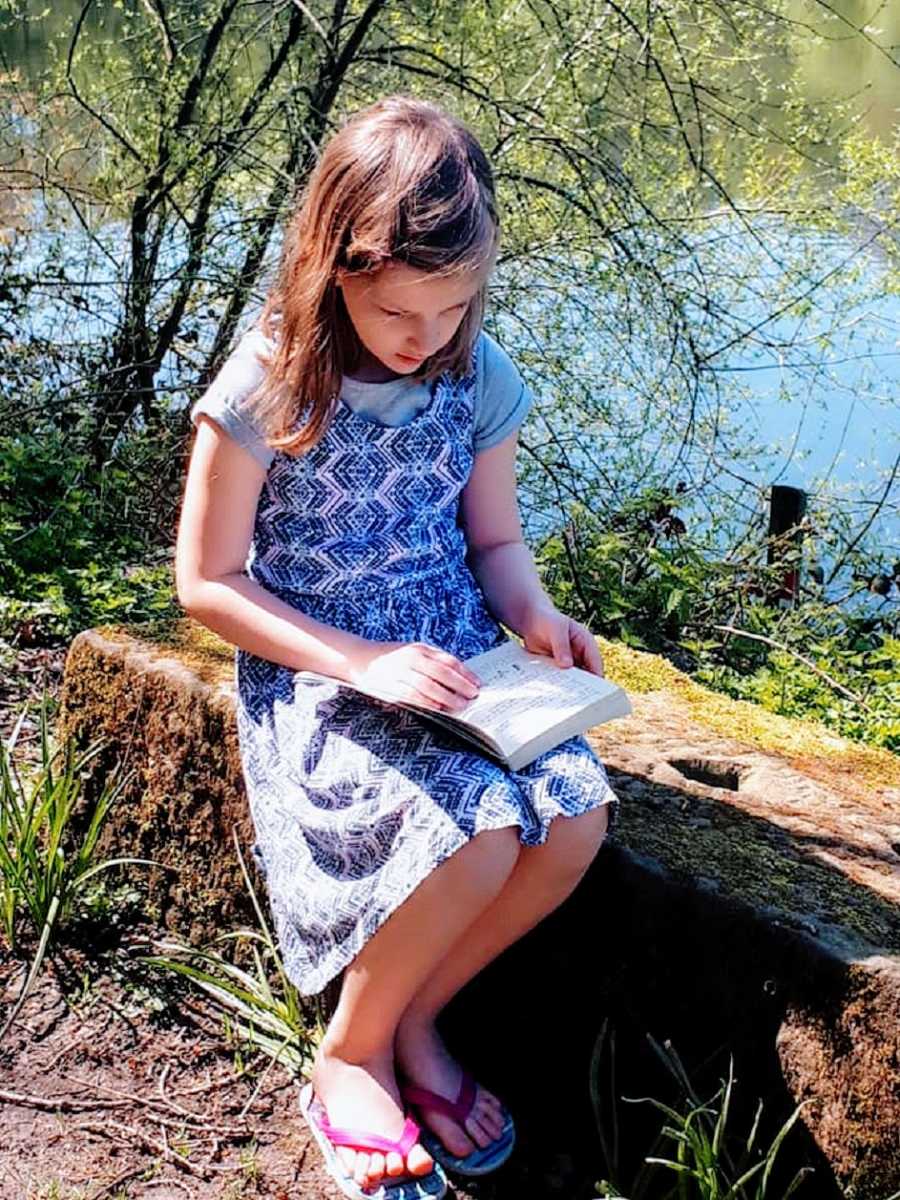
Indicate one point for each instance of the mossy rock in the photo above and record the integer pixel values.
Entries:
(167, 718)
(751, 894)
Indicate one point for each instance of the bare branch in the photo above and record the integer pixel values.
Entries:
(759, 637)
(157, 11)
(107, 125)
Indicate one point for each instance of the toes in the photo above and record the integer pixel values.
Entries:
(419, 1161)
(479, 1131)
(376, 1167)
(394, 1163)
(492, 1119)
(361, 1169)
(486, 1122)
(347, 1157)
(456, 1140)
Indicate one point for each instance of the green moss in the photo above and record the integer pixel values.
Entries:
(803, 742)
(208, 655)
(754, 861)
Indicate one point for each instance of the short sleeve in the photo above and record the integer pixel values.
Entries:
(225, 399)
(502, 399)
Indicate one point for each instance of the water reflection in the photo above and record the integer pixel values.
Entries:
(834, 62)
(827, 57)
(829, 419)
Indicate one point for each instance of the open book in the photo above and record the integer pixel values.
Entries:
(526, 704)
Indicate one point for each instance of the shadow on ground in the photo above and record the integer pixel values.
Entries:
(635, 947)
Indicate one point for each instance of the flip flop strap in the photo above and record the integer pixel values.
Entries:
(358, 1139)
(458, 1110)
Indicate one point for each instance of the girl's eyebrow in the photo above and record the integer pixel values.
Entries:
(406, 313)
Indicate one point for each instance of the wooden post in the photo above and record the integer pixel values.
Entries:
(787, 508)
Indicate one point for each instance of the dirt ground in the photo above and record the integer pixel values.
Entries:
(102, 1096)
(114, 1086)
(117, 1083)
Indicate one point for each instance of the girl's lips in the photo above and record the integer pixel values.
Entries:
(409, 359)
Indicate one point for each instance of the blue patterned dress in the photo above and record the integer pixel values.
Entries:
(354, 801)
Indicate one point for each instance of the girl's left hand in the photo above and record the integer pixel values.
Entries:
(545, 630)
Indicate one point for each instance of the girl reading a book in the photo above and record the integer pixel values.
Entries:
(350, 509)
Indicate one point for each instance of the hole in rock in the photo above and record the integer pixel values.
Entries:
(713, 774)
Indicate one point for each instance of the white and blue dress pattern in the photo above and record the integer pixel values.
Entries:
(355, 802)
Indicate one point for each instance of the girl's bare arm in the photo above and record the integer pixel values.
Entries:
(503, 565)
(221, 494)
(497, 554)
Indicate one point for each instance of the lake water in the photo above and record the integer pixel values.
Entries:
(819, 393)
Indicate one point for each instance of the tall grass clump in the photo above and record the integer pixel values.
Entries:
(47, 857)
(259, 1004)
(697, 1147)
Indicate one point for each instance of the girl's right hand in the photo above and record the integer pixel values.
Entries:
(415, 673)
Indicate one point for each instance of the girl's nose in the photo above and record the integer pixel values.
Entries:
(425, 341)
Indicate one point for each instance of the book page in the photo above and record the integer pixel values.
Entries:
(523, 694)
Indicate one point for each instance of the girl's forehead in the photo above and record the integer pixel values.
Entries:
(409, 287)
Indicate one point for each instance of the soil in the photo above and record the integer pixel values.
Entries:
(118, 1083)
(118, 1086)
(26, 674)
(118, 1094)
(115, 1085)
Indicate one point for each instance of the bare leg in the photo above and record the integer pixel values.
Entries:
(353, 1074)
(543, 877)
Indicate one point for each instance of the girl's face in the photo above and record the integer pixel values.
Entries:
(403, 315)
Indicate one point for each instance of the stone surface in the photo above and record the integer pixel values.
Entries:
(821, 855)
(748, 907)
(173, 729)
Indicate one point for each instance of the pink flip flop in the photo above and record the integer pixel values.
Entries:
(405, 1187)
(483, 1159)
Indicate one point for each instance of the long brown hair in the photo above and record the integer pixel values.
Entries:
(402, 180)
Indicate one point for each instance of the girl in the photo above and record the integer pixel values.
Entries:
(350, 509)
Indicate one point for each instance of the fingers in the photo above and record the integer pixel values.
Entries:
(586, 649)
(443, 680)
(562, 653)
(452, 663)
(575, 644)
(418, 673)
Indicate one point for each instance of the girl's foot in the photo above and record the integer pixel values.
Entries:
(366, 1096)
(426, 1062)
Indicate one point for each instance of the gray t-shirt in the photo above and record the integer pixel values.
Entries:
(501, 397)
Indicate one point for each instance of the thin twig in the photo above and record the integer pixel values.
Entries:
(130, 1133)
(151, 1102)
(759, 637)
(56, 1104)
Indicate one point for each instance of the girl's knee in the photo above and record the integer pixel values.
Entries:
(573, 842)
(591, 831)
(496, 849)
